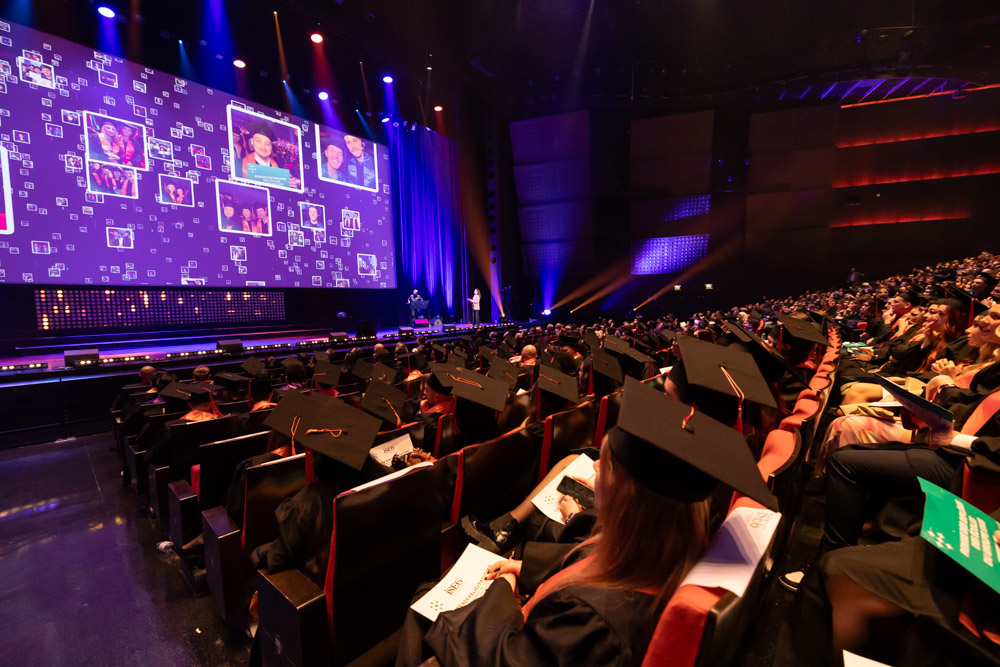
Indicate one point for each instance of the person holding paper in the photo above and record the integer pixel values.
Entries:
(880, 601)
(661, 464)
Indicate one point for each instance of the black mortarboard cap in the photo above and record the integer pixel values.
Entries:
(253, 366)
(412, 361)
(231, 379)
(336, 430)
(280, 394)
(911, 297)
(771, 364)
(383, 373)
(326, 374)
(321, 356)
(288, 362)
(261, 127)
(570, 340)
(607, 365)
(362, 369)
(559, 384)
(383, 400)
(471, 386)
(616, 345)
(439, 379)
(802, 329)
(704, 363)
(593, 341)
(460, 354)
(487, 353)
(679, 454)
(964, 302)
(185, 391)
(503, 370)
(287, 416)
(666, 337)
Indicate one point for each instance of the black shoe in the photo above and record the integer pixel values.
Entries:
(494, 536)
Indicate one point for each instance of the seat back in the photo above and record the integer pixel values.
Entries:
(607, 416)
(267, 485)
(219, 460)
(187, 437)
(981, 487)
(515, 412)
(444, 436)
(565, 432)
(255, 421)
(386, 541)
(496, 475)
(233, 407)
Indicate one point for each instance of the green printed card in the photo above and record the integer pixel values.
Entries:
(962, 531)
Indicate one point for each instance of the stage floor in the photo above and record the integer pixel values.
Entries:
(172, 343)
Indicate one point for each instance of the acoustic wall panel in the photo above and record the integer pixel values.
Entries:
(550, 137)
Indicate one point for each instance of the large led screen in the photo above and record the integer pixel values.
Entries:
(116, 174)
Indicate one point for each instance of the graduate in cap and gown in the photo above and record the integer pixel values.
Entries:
(662, 461)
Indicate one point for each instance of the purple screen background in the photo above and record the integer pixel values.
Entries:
(61, 232)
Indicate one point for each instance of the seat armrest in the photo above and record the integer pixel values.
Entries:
(224, 563)
(185, 519)
(293, 626)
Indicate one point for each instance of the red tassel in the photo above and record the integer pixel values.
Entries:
(310, 471)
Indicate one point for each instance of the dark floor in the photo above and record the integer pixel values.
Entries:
(80, 579)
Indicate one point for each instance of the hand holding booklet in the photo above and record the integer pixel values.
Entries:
(929, 413)
(547, 500)
(463, 583)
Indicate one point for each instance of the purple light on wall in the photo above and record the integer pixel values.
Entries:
(667, 254)
(687, 207)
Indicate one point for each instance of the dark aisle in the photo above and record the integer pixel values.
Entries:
(82, 582)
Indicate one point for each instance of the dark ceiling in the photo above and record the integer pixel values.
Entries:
(530, 57)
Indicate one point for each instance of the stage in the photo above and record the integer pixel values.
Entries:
(41, 398)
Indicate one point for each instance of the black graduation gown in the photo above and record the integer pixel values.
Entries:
(576, 625)
(305, 523)
(910, 573)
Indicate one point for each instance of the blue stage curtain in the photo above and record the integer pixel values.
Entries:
(425, 170)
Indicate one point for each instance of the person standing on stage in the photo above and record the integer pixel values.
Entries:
(476, 298)
(412, 302)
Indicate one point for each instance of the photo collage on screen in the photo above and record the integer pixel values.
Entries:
(116, 174)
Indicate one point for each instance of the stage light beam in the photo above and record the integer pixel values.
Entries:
(316, 38)
(323, 95)
(386, 79)
(106, 12)
(438, 108)
(239, 64)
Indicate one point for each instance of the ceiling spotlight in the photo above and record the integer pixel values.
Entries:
(546, 312)
(438, 108)
(316, 38)
(385, 120)
(429, 68)
(323, 95)
(239, 64)
(106, 12)
(386, 79)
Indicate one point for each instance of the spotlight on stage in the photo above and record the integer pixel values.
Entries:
(438, 108)
(546, 312)
(316, 38)
(386, 79)
(106, 12)
(323, 95)
(239, 64)
(385, 120)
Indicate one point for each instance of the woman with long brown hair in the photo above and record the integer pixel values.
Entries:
(657, 469)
